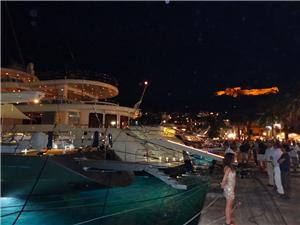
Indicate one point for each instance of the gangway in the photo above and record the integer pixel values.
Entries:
(165, 178)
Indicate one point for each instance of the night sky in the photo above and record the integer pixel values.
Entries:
(186, 51)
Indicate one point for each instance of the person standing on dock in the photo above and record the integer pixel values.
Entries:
(245, 147)
(261, 155)
(228, 148)
(268, 158)
(277, 175)
(255, 150)
(228, 185)
(284, 163)
(294, 156)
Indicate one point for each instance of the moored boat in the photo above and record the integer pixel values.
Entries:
(71, 108)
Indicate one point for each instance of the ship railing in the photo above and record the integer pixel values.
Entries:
(81, 75)
(161, 154)
(145, 157)
(147, 152)
(100, 103)
(71, 101)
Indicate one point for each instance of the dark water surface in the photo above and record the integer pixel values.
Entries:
(146, 201)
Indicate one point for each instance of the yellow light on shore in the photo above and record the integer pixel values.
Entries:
(277, 125)
(36, 101)
(231, 135)
(168, 132)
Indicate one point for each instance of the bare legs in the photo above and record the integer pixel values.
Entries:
(228, 211)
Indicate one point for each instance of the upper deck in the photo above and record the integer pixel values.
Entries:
(14, 80)
(75, 86)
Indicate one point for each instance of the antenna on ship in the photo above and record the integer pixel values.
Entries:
(14, 34)
(137, 105)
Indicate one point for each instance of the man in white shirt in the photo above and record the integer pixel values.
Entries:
(277, 174)
(297, 148)
(268, 158)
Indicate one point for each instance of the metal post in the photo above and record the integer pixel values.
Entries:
(147, 154)
(125, 152)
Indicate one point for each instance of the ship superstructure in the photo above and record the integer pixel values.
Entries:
(74, 99)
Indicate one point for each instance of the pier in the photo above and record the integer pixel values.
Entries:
(255, 202)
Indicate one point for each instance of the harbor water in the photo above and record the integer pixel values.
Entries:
(146, 201)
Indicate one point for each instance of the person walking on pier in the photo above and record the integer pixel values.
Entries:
(228, 185)
(245, 147)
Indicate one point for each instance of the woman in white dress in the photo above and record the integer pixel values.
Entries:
(228, 185)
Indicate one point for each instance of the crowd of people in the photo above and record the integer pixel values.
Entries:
(277, 158)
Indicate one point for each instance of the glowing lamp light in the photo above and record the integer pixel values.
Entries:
(277, 125)
(146, 83)
(113, 123)
(36, 101)
(25, 151)
(231, 135)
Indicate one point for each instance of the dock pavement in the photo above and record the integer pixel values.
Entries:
(255, 203)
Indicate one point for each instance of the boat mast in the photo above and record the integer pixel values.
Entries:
(137, 105)
(14, 34)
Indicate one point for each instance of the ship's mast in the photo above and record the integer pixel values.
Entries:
(137, 105)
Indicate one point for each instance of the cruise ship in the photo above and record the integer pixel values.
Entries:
(77, 100)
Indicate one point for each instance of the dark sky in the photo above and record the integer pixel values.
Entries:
(187, 51)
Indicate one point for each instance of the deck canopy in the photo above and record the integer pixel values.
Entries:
(76, 89)
(9, 111)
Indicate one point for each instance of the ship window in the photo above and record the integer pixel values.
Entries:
(95, 120)
(48, 117)
(35, 118)
(124, 122)
(110, 120)
(74, 118)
